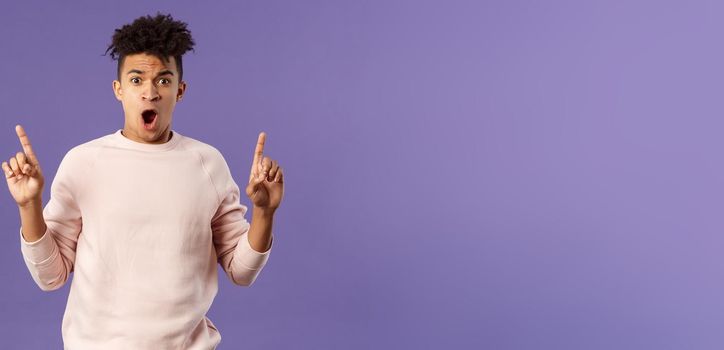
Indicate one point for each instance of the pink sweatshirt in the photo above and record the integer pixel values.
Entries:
(143, 227)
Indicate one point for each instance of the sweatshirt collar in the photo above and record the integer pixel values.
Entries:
(149, 147)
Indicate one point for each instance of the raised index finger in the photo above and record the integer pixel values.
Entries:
(25, 141)
(258, 152)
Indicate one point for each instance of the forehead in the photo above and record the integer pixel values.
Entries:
(147, 63)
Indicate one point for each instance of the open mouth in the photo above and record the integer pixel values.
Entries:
(149, 118)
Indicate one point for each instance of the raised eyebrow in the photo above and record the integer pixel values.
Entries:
(166, 72)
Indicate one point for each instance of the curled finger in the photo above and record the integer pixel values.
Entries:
(266, 165)
(7, 171)
(273, 170)
(14, 166)
(27, 169)
(22, 160)
(279, 176)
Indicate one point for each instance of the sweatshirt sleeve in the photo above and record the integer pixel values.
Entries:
(230, 235)
(50, 259)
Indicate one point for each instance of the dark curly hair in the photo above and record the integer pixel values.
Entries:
(160, 36)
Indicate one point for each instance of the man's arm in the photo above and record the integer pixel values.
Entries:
(260, 230)
(31, 219)
(243, 248)
(49, 237)
(241, 262)
(48, 246)
(265, 190)
(25, 182)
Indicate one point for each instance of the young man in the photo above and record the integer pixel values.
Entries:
(143, 215)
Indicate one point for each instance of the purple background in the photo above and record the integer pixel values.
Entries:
(498, 175)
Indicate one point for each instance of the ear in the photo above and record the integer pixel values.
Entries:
(117, 90)
(181, 90)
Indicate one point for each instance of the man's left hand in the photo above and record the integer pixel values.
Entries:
(266, 181)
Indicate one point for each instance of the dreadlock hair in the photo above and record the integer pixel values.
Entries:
(160, 36)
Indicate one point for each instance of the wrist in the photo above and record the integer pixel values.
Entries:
(31, 203)
(261, 211)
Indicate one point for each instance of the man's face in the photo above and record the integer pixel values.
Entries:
(148, 90)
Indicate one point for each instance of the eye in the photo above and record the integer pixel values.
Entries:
(135, 80)
(164, 81)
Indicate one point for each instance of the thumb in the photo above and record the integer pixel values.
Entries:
(32, 170)
(253, 186)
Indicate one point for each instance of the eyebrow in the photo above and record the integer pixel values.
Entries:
(141, 72)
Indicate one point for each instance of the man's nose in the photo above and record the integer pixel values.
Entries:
(150, 93)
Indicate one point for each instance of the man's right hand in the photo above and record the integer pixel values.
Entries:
(23, 173)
